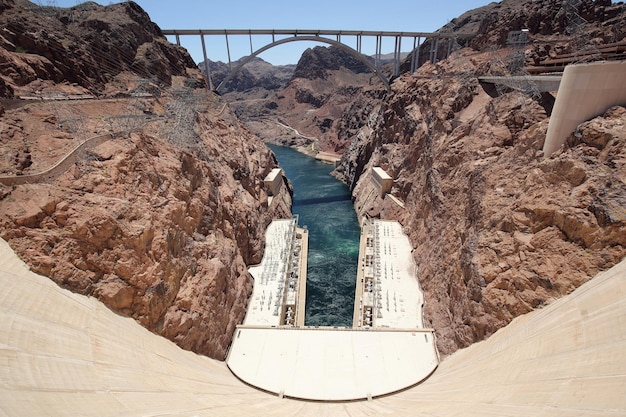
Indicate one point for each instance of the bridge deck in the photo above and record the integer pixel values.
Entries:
(313, 32)
(542, 83)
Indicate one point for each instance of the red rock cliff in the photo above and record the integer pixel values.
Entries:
(156, 229)
(498, 229)
(163, 207)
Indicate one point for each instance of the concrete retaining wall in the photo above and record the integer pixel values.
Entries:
(273, 181)
(586, 91)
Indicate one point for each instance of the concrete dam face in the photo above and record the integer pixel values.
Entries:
(64, 354)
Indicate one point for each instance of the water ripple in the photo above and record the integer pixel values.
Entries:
(324, 205)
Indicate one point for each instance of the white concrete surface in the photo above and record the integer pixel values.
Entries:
(331, 364)
(395, 292)
(63, 354)
(264, 307)
(586, 91)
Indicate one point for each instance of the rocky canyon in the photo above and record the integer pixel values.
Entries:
(162, 205)
(498, 228)
(125, 179)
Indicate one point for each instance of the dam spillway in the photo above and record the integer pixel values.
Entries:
(385, 351)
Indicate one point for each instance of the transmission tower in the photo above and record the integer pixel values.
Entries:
(582, 47)
(135, 114)
(182, 112)
(67, 117)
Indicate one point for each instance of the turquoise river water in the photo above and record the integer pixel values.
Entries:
(324, 206)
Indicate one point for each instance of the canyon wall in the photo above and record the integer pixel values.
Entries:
(160, 220)
(86, 46)
(498, 230)
(159, 230)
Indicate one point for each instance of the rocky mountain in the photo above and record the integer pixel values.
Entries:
(149, 197)
(498, 229)
(306, 112)
(317, 63)
(554, 27)
(84, 48)
(256, 74)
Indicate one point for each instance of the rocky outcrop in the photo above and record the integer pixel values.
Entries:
(159, 204)
(498, 229)
(255, 75)
(546, 19)
(87, 45)
(159, 230)
(310, 112)
(553, 27)
(319, 61)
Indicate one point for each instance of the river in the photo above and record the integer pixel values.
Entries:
(324, 206)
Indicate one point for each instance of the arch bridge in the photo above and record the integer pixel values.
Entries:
(332, 37)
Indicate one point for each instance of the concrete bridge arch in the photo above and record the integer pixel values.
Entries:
(353, 52)
(324, 36)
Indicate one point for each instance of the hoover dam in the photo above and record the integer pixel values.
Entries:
(66, 354)
(470, 261)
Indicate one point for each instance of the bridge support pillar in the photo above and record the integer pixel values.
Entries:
(379, 41)
(207, 70)
(434, 49)
(396, 56)
(415, 56)
(230, 64)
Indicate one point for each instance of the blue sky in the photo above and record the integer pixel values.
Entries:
(396, 15)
